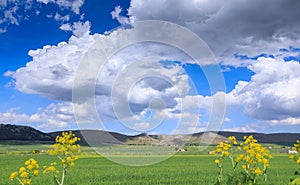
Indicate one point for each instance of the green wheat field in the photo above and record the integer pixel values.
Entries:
(192, 167)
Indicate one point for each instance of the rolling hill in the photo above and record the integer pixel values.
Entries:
(23, 133)
(97, 137)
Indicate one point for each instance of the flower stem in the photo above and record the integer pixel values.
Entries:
(63, 174)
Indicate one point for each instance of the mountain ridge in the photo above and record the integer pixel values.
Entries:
(26, 133)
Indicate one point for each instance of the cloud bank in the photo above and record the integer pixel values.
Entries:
(229, 27)
(164, 86)
(262, 36)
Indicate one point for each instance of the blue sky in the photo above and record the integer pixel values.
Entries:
(257, 50)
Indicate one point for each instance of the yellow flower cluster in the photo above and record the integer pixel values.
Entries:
(66, 148)
(254, 158)
(50, 168)
(224, 148)
(25, 174)
(67, 151)
(296, 157)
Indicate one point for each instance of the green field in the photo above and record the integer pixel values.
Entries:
(192, 167)
(179, 169)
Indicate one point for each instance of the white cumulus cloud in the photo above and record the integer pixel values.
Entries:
(54, 116)
(272, 93)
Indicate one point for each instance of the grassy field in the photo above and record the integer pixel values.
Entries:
(191, 167)
(179, 169)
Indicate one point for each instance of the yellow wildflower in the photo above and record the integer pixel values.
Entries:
(219, 150)
(24, 174)
(13, 175)
(258, 171)
(225, 153)
(30, 167)
(240, 157)
(22, 169)
(232, 138)
(26, 181)
(35, 172)
(51, 168)
(27, 162)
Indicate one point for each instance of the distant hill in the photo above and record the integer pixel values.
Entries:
(97, 137)
(276, 138)
(23, 133)
(100, 137)
(104, 138)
